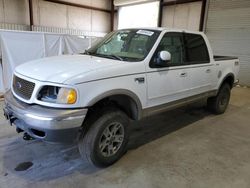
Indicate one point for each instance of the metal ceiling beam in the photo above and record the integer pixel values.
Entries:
(78, 5)
(176, 2)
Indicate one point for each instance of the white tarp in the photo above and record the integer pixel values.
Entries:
(19, 47)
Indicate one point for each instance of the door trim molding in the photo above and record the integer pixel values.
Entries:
(175, 104)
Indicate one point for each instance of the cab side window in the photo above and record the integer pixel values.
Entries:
(171, 42)
(195, 49)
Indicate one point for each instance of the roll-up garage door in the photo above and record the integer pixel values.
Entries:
(139, 15)
(182, 16)
(228, 29)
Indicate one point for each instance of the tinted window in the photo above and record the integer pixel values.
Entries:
(171, 42)
(195, 49)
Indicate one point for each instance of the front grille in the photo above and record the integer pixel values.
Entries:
(23, 88)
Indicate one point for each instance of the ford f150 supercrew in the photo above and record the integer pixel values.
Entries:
(91, 97)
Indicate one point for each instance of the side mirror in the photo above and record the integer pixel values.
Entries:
(165, 56)
(162, 59)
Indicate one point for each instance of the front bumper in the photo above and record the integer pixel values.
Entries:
(44, 123)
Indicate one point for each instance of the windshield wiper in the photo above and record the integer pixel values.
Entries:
(112, 56)
(116, 57)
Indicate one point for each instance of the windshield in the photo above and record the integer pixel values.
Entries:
(125, 45)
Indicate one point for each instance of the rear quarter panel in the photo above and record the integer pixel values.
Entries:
(224, 68)
(221, 68)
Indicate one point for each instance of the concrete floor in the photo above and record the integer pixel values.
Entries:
(183, 148)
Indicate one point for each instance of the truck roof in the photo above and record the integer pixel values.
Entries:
(167, 29)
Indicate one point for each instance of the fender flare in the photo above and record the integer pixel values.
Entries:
(125, 92)
(225, 77)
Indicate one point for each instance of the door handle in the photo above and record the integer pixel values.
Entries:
(208, 70)
(140, 80)
(184, 74)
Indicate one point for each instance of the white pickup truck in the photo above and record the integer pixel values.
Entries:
(132, 73)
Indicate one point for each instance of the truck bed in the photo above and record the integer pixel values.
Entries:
(222, 58)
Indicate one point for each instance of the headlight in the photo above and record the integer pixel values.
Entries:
(60, 95)
(66, 96)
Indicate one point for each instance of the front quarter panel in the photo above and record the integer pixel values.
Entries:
(94, 91)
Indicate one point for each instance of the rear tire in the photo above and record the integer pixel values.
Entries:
(106, 139)
(219, 103)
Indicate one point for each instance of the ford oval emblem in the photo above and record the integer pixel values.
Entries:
(18, 85)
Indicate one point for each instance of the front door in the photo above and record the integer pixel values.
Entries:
(167, 84)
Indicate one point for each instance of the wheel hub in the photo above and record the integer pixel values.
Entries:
(111, 139)
(224, 99)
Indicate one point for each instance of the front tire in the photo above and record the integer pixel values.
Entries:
(219, 103)
(106, 139)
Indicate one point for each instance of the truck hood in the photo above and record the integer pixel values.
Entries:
(62, 69)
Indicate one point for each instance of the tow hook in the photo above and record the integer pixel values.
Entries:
(18, 130)
(12, 120)
(27, 137)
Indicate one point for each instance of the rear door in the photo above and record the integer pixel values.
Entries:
(200, 69)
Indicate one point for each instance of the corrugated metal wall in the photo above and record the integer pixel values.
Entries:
(9, 26)
(14, 14)
(58, 30)
(228, 29)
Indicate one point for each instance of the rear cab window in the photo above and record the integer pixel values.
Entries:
(196, 51)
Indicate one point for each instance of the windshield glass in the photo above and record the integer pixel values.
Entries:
(125, 45)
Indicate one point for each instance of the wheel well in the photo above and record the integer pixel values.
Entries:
(230, 80)
(123, 102)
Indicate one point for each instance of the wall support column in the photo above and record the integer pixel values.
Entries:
(112, 14)
(31, 14)
(203, 12)
(160, 13)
